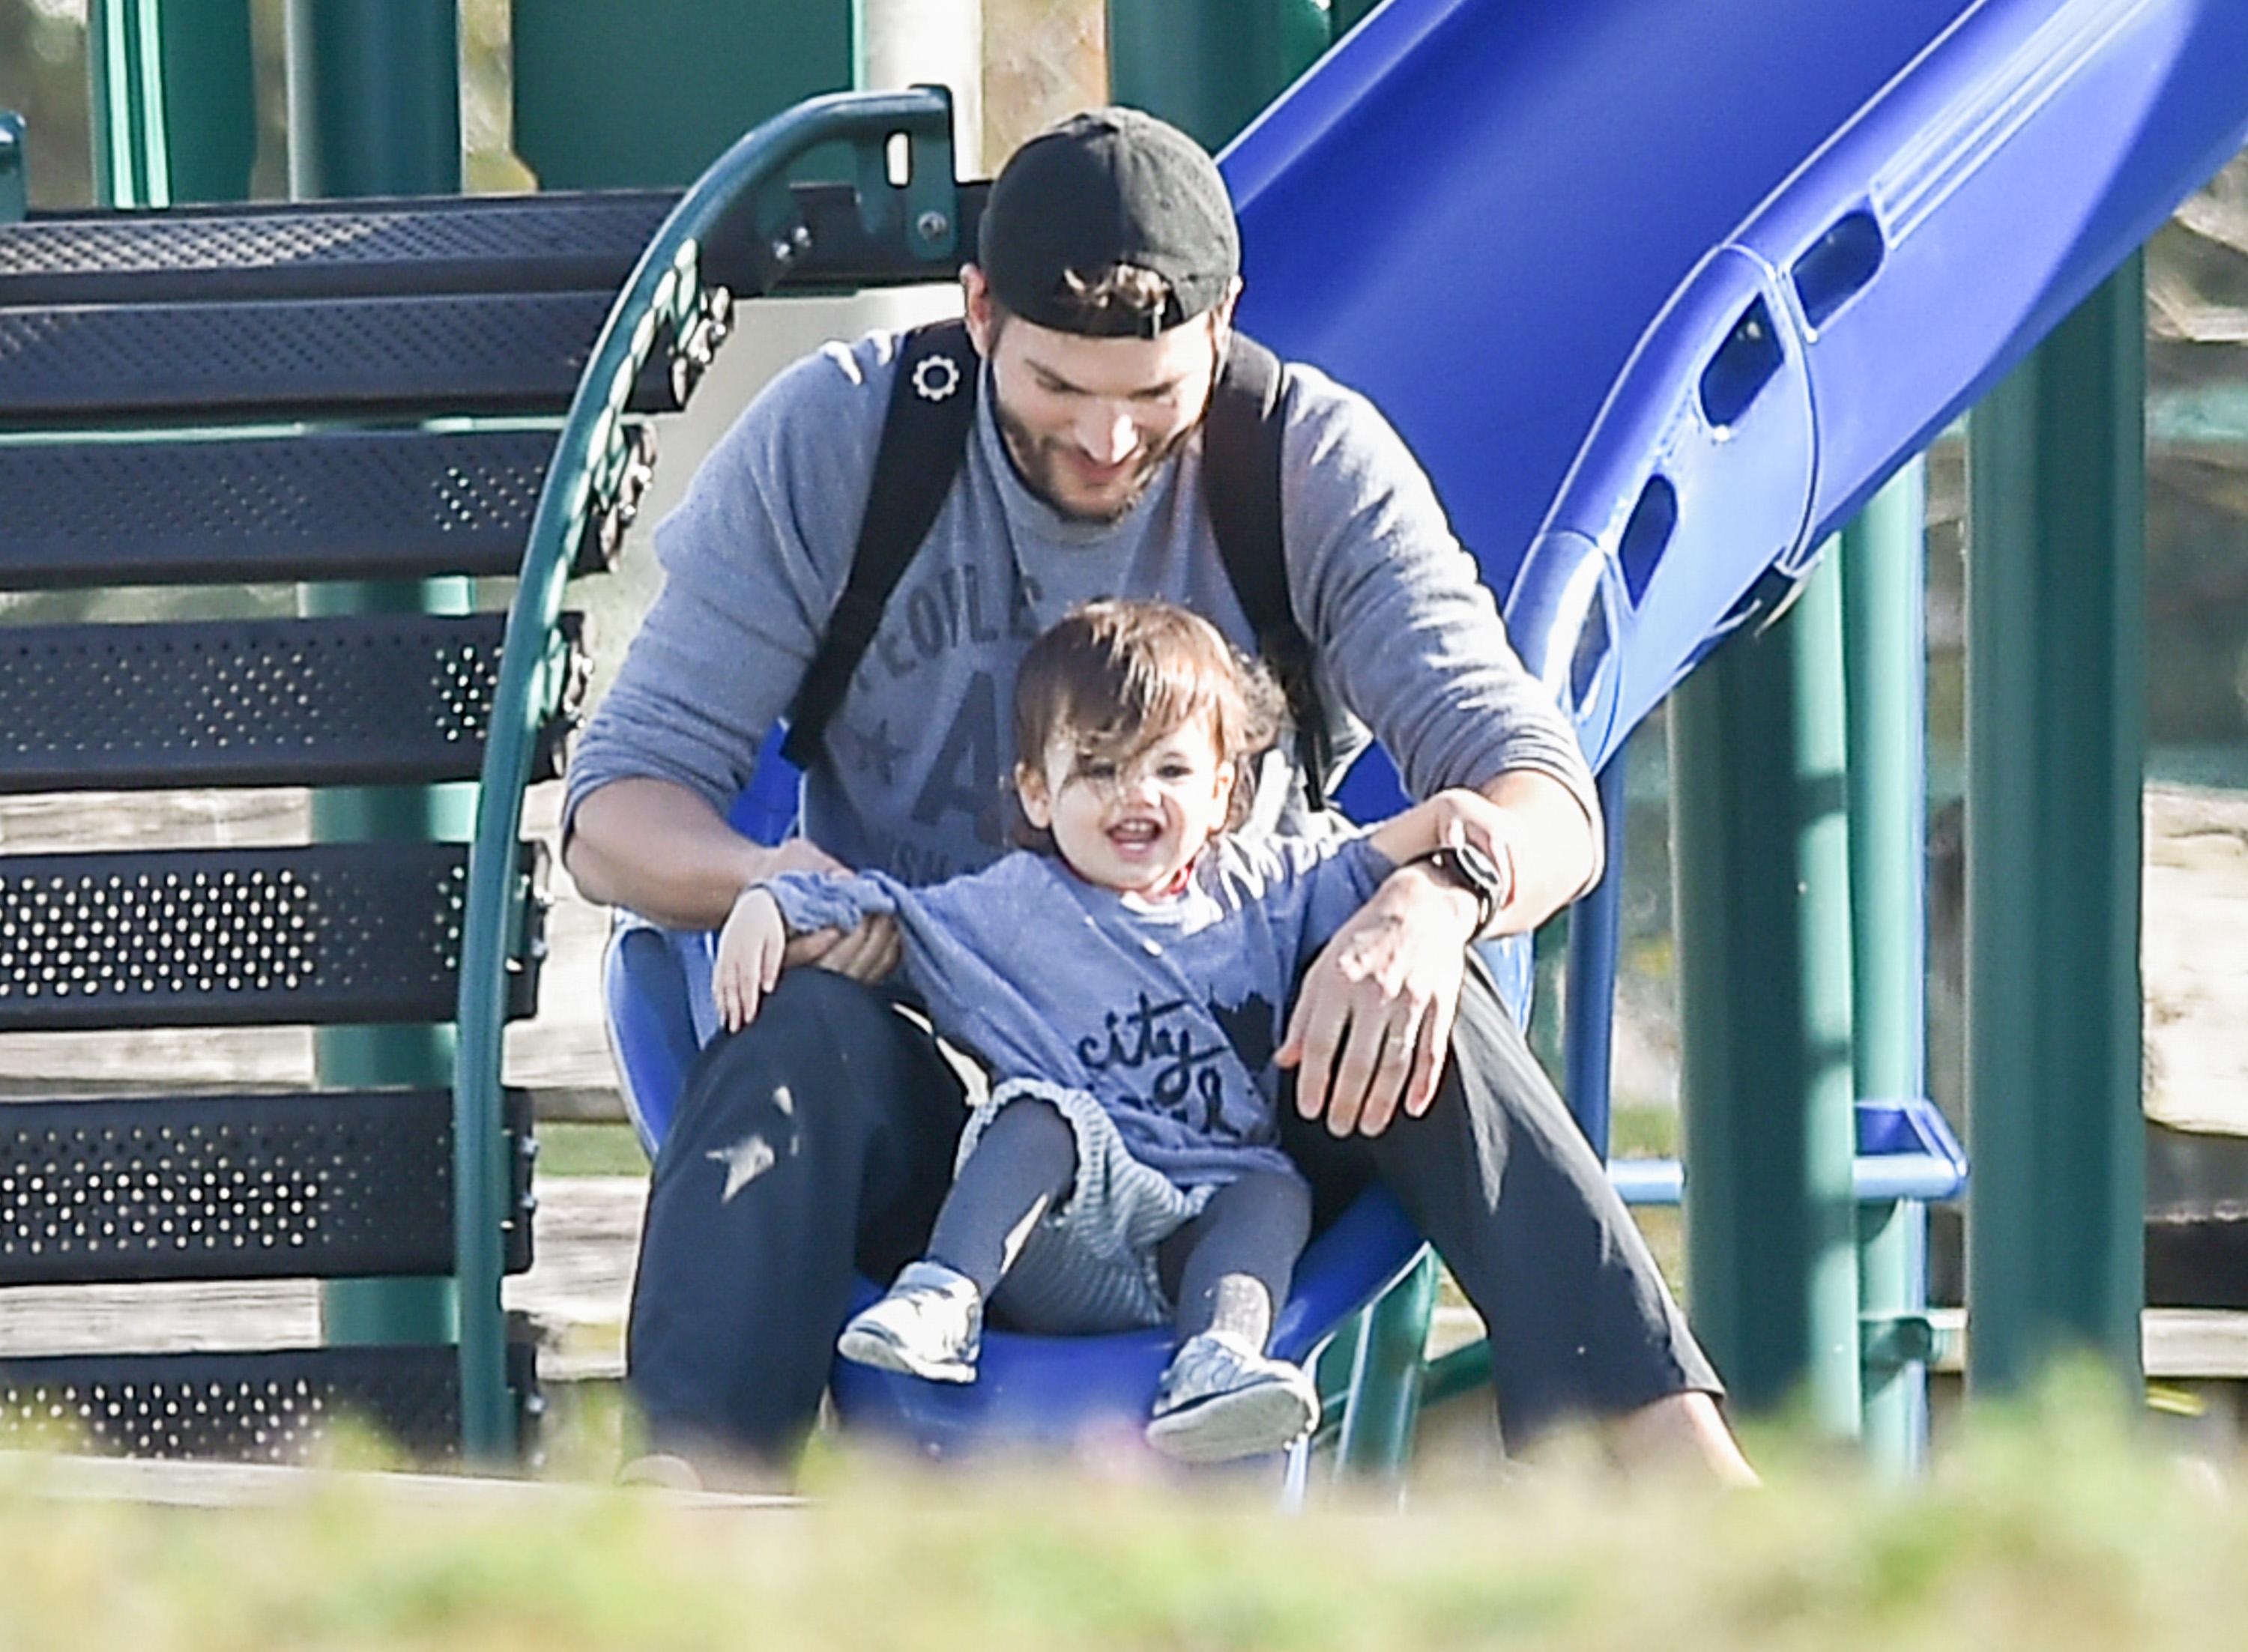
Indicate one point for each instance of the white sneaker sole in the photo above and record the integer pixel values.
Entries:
(869, 1345)
(1248, 1422)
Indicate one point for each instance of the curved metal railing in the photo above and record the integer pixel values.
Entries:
(664, 303)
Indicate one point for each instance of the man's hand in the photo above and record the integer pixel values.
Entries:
(867, 953)
(1372, 1023)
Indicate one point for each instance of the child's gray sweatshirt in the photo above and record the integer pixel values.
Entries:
(1166, 1011)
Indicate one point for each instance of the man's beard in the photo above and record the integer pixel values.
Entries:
(1038, 460)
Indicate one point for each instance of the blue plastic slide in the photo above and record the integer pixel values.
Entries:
(1661, 291)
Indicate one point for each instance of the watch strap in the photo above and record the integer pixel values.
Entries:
(1462, 871)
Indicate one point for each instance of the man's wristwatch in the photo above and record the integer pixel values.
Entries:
(1465, 866)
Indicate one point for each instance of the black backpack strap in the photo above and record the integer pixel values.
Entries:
(1241, 468)
(924, 441)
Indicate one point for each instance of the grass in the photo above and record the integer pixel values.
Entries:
(1642, 1130)
(589, 1149)
(2057, 1529)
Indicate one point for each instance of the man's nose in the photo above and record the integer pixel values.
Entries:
(1107, 434)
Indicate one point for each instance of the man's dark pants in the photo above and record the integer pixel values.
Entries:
(819, 1141)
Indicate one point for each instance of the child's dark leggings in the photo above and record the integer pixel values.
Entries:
(1228, 1269)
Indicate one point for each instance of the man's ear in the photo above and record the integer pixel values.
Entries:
(1224, 306)
(1030, 793)
(977, 309)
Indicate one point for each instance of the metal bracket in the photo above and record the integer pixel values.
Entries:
(1891, 1341)
(923, 213)
(15, 190)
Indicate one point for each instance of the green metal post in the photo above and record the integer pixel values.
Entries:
(374, 110)
(15, 190)
(589, 72)
(1377, 1430)
(1209, 68)
(1549, 953)
(2056, 671)
(174, 105)
(1346, 15)
(1760, 840)
(374, 98)
(1883, 559)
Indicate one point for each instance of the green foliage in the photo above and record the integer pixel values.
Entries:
(2055, 1527)
(589, 1149)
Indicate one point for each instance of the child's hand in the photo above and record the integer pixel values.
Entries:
(750, 949)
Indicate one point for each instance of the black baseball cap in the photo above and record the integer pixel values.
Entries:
(1108, 186)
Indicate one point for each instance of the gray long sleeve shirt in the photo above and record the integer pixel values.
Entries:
(1409, 643)
(1165, 1011)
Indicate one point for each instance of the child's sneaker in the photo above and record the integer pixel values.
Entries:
(929, 1325)
(1221, 1400)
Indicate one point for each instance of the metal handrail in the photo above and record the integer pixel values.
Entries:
(663, 301)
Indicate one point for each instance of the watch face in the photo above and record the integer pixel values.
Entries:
(1481, 869)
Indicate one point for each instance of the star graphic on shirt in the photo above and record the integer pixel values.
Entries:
(874, 751)
(1249, 1028)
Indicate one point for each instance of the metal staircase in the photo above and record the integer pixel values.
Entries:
(306, 393)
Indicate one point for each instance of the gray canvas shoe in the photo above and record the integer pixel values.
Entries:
(929, 1325)
(1221, 1399)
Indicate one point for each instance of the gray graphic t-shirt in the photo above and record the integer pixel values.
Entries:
(1166, 1011)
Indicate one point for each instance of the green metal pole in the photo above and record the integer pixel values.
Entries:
(1346, 14)
(374, 110)
(610, 96)
(1760, 839)
(374, 98)
(1549, 953)
(2056, 673)
(1209, 67)
(1883, 559)
(174, 110)
(1377, 1430)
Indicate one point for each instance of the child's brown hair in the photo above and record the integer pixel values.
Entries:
(1116, 676)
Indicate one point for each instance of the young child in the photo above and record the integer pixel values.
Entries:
(1125, 982)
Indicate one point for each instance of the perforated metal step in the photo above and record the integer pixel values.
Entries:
(230, 1186)
(256, 1408)
(330, 504)
(380, 701)
(327, 249)
(332, 933)
(480, 244)
(505, 354)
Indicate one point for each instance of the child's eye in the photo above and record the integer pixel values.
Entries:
(1176, 771)
(1097, 768)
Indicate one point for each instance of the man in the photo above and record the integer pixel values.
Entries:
(1101, 305)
